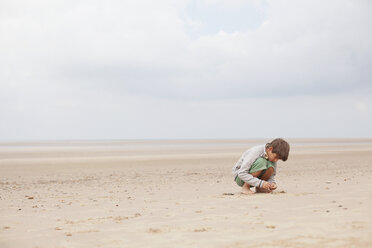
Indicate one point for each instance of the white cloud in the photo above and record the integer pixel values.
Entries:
(304, 47)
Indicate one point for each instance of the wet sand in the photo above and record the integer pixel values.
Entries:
(182, 194)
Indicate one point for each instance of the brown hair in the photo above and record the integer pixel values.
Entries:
(280, 147)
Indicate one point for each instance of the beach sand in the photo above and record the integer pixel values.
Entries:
(182, 194)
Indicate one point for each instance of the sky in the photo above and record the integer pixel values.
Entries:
(186, 69)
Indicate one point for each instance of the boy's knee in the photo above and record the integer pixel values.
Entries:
(256, 174)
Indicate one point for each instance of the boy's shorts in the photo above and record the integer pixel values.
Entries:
(260, 164)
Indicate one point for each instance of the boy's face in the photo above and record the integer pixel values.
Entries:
(272, 157)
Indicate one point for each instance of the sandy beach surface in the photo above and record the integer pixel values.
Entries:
(182, 194)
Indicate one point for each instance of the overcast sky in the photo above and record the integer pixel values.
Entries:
(168, 69)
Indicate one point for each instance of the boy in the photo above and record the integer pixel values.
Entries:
(257, 166)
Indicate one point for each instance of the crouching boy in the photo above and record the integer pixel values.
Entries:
(257, 166)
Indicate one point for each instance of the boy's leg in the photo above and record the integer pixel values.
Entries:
(265, 176)
(246, 189)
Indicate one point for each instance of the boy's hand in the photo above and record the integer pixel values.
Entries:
(273, 186)
(266, 185)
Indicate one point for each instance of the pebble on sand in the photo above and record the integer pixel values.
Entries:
(270, 226)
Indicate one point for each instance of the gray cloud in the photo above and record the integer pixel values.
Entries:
(126, 62)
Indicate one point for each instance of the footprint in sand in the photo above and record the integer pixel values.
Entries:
(279, 192)
(154, 230)
(270, 226)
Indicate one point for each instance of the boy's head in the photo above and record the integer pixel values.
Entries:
(277, 149)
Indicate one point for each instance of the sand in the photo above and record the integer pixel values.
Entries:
(182, 194)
